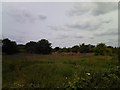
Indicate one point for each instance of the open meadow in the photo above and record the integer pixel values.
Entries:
(68, 45)
(60, 71)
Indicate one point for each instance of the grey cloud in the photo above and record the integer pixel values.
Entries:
(42, 17)
(78, 36)
(78, 26)
(91, 37)
(57, 28)
(65, 36)
(16, 37)
(23, 16)
(112, 42)
(62, 36)
(89, 25)
(107, 33)
(82, 37)
(107, 21)
(104, 7)
(94, 8)
(86, 26)
(53, 27)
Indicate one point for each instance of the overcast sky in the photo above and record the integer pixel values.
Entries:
(63, 24)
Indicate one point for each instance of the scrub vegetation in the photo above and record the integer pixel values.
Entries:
(62, 67)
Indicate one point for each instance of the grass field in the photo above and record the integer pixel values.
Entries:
(58, 71)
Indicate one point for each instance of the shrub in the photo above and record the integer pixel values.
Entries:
(108, 79)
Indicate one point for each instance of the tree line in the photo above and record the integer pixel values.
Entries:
(43, 46)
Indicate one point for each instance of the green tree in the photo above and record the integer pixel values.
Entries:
(22, 48)
(9, 47)
(91, 48)
(101, 49)
(56, 49)
(64, 49)
(84, 48)
(43, 47)
(75, 48)
(31, 47)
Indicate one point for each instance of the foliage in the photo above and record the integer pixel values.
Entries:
(64, 49)
(9, 47)
(56, 49)
(108, 79)
(43, 47)
(118, 53)
(31, 47)
(83, 48)
(78, 48)
(102, 49)
(75, 48)
(21, 48)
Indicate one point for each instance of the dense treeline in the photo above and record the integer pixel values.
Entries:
(44, 47)
(77, 48)
(41, 47)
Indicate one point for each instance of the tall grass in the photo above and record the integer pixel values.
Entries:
(50, 71)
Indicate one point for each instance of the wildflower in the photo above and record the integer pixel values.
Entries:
(88, 74)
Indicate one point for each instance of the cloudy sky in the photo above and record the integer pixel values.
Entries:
(63, 24)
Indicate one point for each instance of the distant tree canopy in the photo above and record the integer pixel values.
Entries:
(75, 49)
(43, 47)
(31, 47)
(79, 48)
(56, 49)
(21, 48)
(102, 49)
(9, 47)
(86, 48)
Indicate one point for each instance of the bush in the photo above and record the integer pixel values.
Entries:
(108, 79)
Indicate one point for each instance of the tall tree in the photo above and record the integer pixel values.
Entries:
(31, 47)
(43, 47)
(9, 47)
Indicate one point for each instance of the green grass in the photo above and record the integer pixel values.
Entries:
(51, 71)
